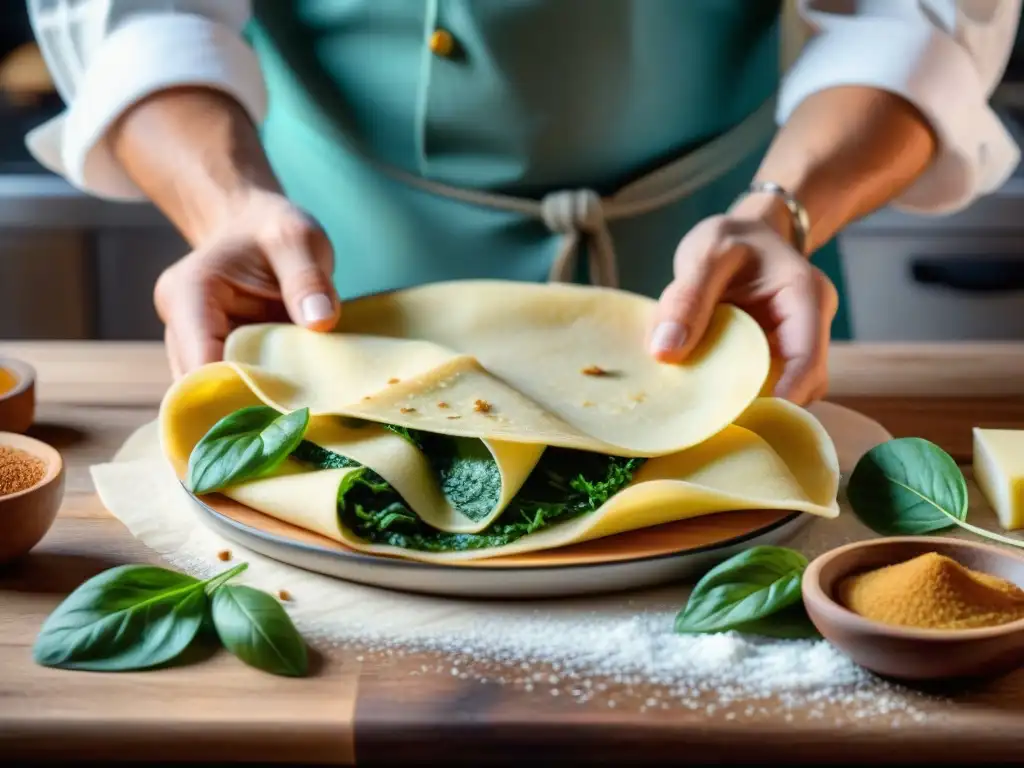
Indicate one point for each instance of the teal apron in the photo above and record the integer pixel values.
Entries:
(490, 160)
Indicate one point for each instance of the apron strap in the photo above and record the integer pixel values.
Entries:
(572, 214)
(582, 214)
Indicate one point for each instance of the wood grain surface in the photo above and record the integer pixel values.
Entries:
(373, 708)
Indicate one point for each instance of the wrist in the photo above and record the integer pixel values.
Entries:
(201, 180)
(770, 209)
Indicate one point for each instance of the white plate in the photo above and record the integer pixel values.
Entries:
(507, 583)
(852, 433)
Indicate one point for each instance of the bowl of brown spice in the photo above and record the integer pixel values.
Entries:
(17, 395)
(921, 607)
(31, 491)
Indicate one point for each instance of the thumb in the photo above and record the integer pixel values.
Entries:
(303, 269)
(687, 304)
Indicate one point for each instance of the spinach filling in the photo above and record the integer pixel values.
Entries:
(468, 474)
(564, 485)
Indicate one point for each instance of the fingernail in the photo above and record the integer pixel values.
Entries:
(317, 308)
(667, 336)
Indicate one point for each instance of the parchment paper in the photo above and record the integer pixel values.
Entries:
(139, 489)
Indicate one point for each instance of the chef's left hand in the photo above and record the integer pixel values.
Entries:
(743, 260)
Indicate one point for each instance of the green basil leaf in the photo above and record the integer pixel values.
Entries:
(748, 587)
(791, 623)
(257, 629)
(129, 617)
(244, 445)
(761, 565)
(908, 487)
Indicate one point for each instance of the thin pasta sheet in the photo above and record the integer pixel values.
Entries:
(504, 418)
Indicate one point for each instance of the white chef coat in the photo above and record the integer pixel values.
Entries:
(944, 56)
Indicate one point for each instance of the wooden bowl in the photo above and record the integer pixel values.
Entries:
(905, 653)
(26, 516)
(17, 405)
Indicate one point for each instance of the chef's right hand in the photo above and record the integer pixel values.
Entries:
(269, 263)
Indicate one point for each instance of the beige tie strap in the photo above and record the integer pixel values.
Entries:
(582, 214)
(576, 214)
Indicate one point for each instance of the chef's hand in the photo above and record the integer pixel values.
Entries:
(269, 263)
(744, 260)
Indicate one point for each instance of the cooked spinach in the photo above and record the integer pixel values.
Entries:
(467, 472)
(564, 485)
(321, 458)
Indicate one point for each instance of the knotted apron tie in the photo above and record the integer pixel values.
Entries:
(583, 215)
(576, 213)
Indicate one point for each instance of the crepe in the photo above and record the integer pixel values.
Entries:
(514, 383)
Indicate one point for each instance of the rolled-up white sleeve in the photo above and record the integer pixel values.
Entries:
(107, 55)
(945, 57)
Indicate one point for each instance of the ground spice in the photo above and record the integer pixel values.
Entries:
(7, 381)
(19, 470)
(482, 406)
(932, 591)
(224, 555)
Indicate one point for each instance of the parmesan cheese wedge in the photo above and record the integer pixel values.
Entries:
(999, 473)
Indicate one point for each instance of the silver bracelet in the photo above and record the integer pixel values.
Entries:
(801, 220)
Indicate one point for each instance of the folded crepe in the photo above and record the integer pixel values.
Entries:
(477, 419)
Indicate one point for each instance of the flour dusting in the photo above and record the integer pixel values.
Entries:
(614, 651)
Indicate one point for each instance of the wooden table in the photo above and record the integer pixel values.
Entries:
(92, 395)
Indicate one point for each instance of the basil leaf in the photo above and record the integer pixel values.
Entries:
(257, 629)
(908, 486)
(748, 587)
(244, 445)
(791, 623)
(128, 617)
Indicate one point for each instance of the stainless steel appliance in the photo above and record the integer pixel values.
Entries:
(946, 278)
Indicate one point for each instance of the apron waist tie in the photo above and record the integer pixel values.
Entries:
(572, 213)
(582, 213)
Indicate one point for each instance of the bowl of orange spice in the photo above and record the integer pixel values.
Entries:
(31, 491)
(17, 395)
(920, 608)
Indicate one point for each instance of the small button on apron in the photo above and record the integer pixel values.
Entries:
(442, 43)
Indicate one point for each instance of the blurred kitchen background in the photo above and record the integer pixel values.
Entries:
(72, 267)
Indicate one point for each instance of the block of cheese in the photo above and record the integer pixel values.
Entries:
(999, 472)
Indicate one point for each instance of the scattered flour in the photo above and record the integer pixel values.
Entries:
(614, 651)
(640, 659)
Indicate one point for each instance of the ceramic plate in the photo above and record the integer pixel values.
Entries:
(627, 561)
(643, 558)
